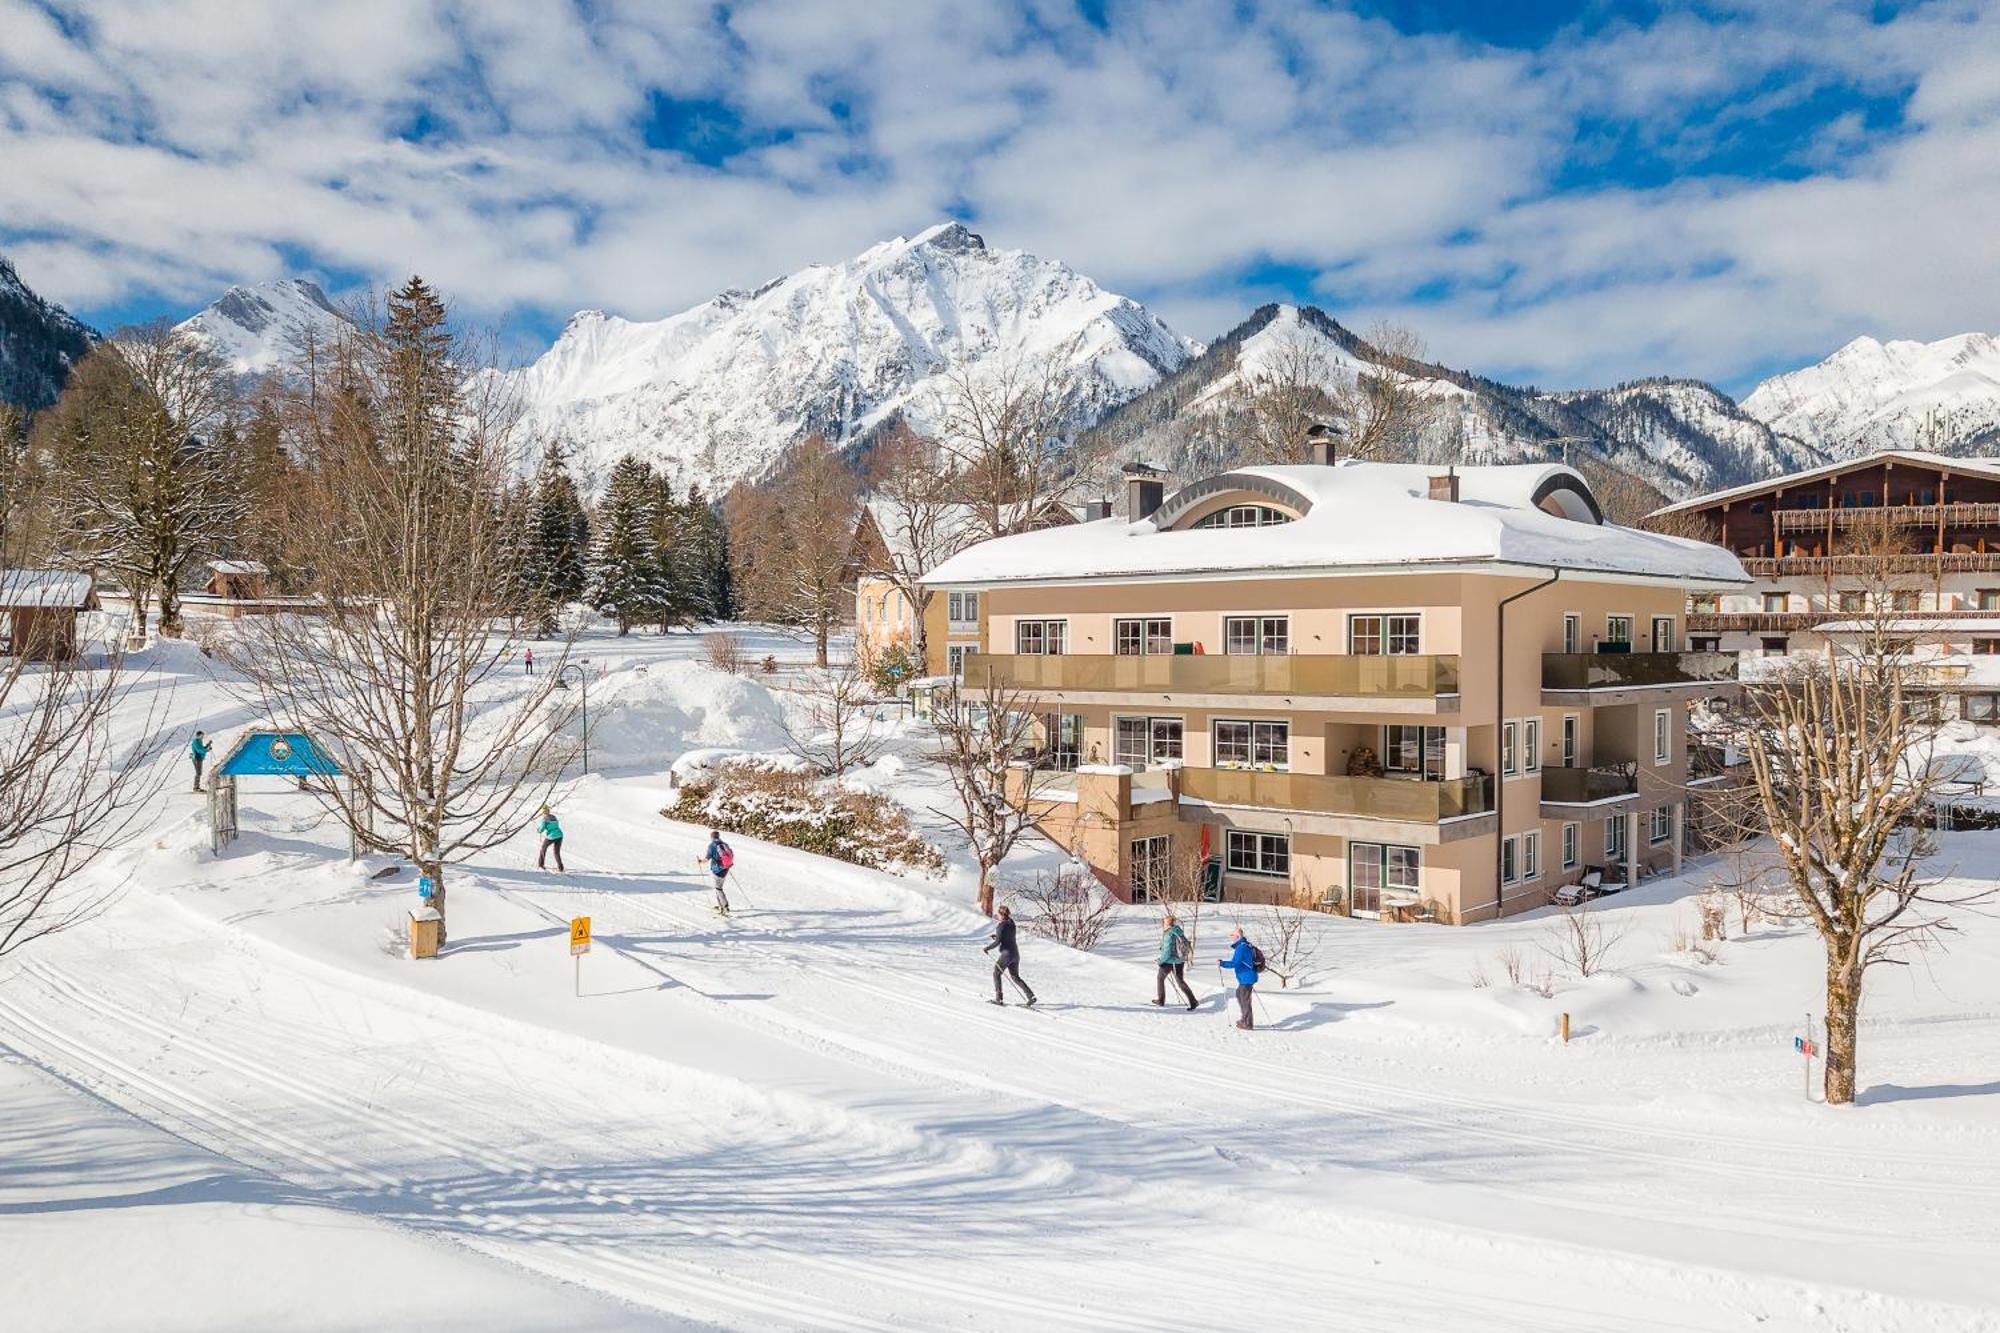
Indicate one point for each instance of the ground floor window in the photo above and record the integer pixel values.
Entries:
(1773, 647)
(1259, 853)
(1614, 839)
(1062, 740)
(1531, 856)
(1980, 707)
(1705, 643)
(1143, 741)
(1571, 837)
(1375, 866)
(954, 658)
(1151, 862)
(1254, 743)
(1660, 825)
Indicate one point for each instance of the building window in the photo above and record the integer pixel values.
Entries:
(1510, 869)
(1509, 760)
(1413, 750)
(1660, 825)
(1259, 853)
(1989, 599)
(1243, 516)
(954, 658)
(1663, 736)
(1614, 839)
(1704, 643)
(1572, 632)
(1986, 647)
(1373, 867)
(1569, 740)
(962, 609)
(1143, 741)
(1151, 860)
(1775, 603)
(1851, 600)
(1531, 856)
(1382, 636)
(1531, 745)
(1704, 603)
(1618, 629)
(1980, 707)
(1254, 743)
(1040, 638)
(1773, 647)
(1062, 740)
(1572, 835)
(1905, 599)
(1249, 636)
(1663, 634)
(1148, 638)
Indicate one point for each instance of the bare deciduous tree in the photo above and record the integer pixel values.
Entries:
(1580, 939)
(790, 538)
(145, 488)
(1009, 429)
(1290, 943)
(1385, 408)
(1068, 906)
(405, 454)
(987, 731)
(839, 730)
(922, 522)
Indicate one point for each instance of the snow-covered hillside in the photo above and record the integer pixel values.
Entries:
(257, 328)
(719, 392)
(1942, 396)
(39, 342)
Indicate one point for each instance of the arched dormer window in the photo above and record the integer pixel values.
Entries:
(1243, 516)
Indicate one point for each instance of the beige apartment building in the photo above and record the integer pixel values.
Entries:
(1381, 688)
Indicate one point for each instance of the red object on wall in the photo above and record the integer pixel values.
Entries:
(1204, 842)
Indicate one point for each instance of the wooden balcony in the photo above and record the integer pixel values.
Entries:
(1782, 622)
(1818, 566)
(1396, 799)
(1301, 674)
(1568, 672)
(1897, 516)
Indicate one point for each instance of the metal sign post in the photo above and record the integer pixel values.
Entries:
(1807, 1047)
(579, 945)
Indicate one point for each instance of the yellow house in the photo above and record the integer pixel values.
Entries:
(1388, 688)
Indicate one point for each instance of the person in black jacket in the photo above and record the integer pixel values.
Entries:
(1009, 961)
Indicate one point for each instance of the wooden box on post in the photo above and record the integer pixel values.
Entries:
(425, 924)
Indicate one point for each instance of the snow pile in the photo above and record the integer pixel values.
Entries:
(649, 716)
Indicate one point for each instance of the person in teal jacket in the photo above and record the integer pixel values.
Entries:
(1174, 951)
(198, 751)
(1243, 961)
(551, 842)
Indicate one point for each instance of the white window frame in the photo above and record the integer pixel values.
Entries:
(1151, 722)
(961, 610)
(1155, 856)
(1663, 641)
(1043, 626)
(1663, 736)
(1146, 640)
(1254, 745)
(1655, 834)
(1258, 844)
(1531, 745)
(1510, 861)
(1572, 632)
(1430, 763)
(954, 658)
(1531, 857)
(1510, 754)
(1572, 846)
(1614, 618)
(1260, 635)
(1572, 735)
(1385, 638)
(1390, 862)
(1614, 832)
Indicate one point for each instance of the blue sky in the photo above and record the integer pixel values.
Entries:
(1562, 193)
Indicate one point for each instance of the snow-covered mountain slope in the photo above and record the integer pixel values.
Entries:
(1680, 436)
(39, 342)
(255, 329)
(720, 392)
(1942, 396)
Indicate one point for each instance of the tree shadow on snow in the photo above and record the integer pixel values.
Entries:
(1882, 1093)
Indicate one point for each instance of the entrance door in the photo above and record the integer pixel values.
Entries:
(1151, 862)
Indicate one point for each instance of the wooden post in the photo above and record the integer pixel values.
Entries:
(425, 923)
(1565, 1029)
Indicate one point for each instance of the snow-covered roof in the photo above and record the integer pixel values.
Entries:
(45, 588)
(239, 567)
(958, 525)
(1985, 466)
(1355, 516)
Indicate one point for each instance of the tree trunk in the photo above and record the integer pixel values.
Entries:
(1843, 1012)
(435, 869)
(170, 611)
(819, 642)
(986, 890)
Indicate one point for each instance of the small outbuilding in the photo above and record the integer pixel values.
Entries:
(38, 611)
(239, 580)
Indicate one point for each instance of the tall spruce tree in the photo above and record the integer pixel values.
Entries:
(558, 537)
(625, 555)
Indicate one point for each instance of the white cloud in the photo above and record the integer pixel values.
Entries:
(1192, 143)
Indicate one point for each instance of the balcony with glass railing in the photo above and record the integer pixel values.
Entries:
(1626, 671)
(1308, 674)
(1588, 786)
(1404, 800)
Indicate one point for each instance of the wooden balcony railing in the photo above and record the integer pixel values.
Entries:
(1939, 562)
(1899, 516)
(1618, 671)
(1298, 674)
(1404, 800)
(1711, 622)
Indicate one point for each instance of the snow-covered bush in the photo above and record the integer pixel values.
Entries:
(800, 810)
(1069, 907)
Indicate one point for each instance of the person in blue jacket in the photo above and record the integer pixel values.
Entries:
(1243, 961)
(198, 751)
(551, 842)
(720, 859)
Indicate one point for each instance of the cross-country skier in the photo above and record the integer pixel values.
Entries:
(528, 660)
(551, 842)
(720, 859)
(1243, 960)
(198, 751)
(1008, 962)
(1174, 951)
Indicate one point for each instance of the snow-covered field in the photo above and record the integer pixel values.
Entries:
(230, 1105)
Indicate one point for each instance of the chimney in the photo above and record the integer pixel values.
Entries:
(1323, 443)
(1144, 489)
(1445, 487)
(1096, 509)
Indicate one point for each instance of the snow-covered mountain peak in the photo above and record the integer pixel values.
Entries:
(256, 328)
(1901, 394)
(721, 391)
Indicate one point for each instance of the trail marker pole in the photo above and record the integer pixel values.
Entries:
(579, 945)
(1808, 1048)
(1565, 1029)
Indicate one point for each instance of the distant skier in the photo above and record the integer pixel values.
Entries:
(551, 842)
(1174, 952)
(528, 660)
(1243, 960)
(720, 860)
(1008, 962)
(198, 751)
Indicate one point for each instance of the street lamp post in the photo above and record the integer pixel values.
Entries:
(583, 679)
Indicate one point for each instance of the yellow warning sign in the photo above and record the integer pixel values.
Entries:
(579, 935)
